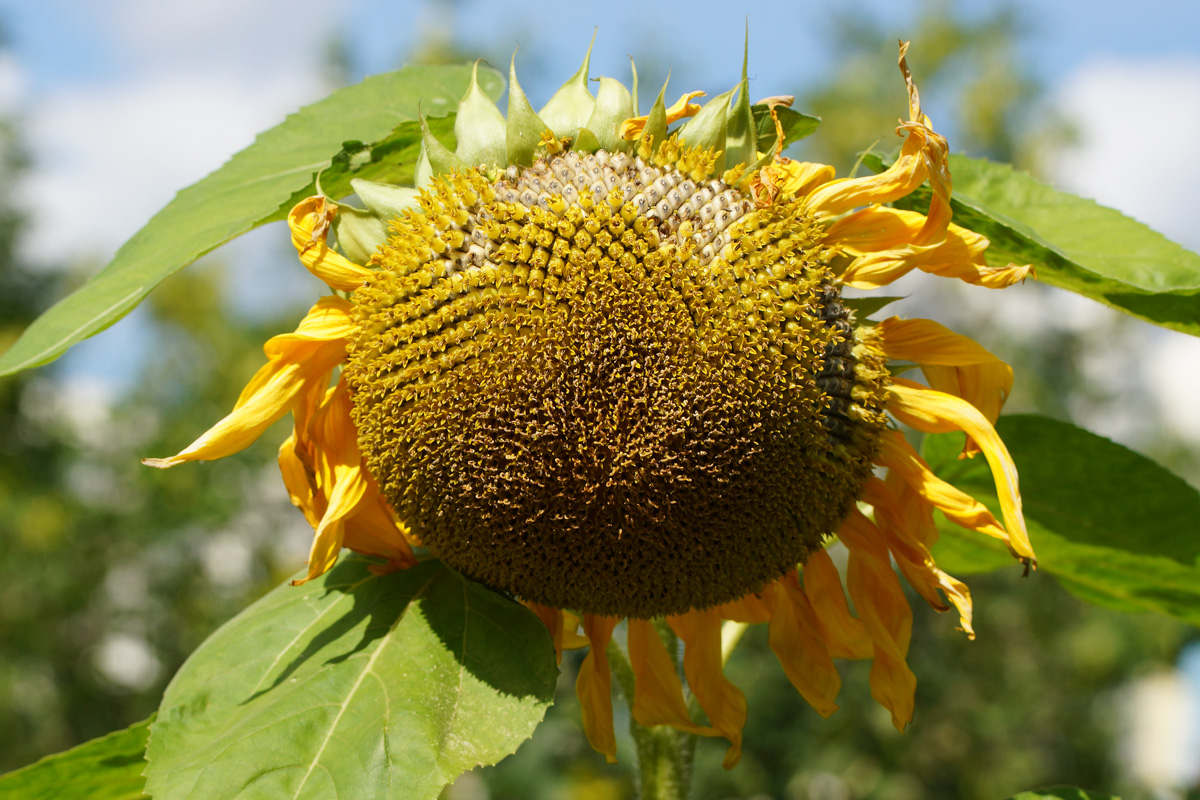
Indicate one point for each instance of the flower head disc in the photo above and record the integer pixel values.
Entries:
(607, 385)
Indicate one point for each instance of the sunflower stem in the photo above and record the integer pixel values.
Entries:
(664, 754)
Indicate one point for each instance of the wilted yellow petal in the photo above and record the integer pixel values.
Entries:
(898, 455)
(794, 637)
(876, 592)
(900, 528)
(844, 635)
(932, 411)
(309, 221)
(658, 695)
(951, 362)
(683, 107)
(297, 361)
(702, 665)
(593, 686)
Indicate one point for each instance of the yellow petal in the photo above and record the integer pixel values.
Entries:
(593, 686)
(339, 475)
(900, 526)
(952, 363)
(844, 635)
(931, 411)
(798, 178)
(683, 107)
(794, 637)
(876, 592)
(309, 221)
(752, 609)
(572, 639)
(721, 700)
(899, 456)
(297, 480)
(552, 618)
(659, 694)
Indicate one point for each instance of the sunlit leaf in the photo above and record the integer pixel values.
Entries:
(108, 768)
(354, 685)
(1075, 243)
(1111, 525)
(256, 186)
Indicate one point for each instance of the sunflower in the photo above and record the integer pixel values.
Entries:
(606, 367)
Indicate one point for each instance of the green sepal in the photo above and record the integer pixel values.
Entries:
(709, 128)
(480, 128)
(614, 105)
(656, 122)
(571, 106)
(741, 141)
(440, 160)
(525, 127)
(385, 200)
(585, 141)
(359, 233)
(634, 86)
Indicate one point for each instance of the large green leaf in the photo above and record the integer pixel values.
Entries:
(254, 187)
(108, 768)
(1075, 243)
(1114, 527)
(1063, 793)
(354, 685)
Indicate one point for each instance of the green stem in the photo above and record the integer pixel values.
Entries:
(664, 754)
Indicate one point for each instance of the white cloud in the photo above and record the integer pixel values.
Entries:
(197, 80)
(109, 157)
(1137, 121)
(12, 85)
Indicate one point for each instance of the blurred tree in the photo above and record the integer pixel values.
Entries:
(110, 573)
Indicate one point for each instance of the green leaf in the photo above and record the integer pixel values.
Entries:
(796, 126)
(864, 307)
(354, 685)
(1063, 793)
(108, 768)
(1075, 243)
(1111, 525)
(256, 186)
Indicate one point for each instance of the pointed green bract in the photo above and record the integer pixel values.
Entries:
(384, 199)
(656, 121)
(614, 105)
(441, 160)
(571, 106)
(524, 127)
(708, 129)
(480, 128)
(634, 86)
(741, 142)
(359, 233)
(585, 141)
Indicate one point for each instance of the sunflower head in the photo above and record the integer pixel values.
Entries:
(606, 366)
(609, 379)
